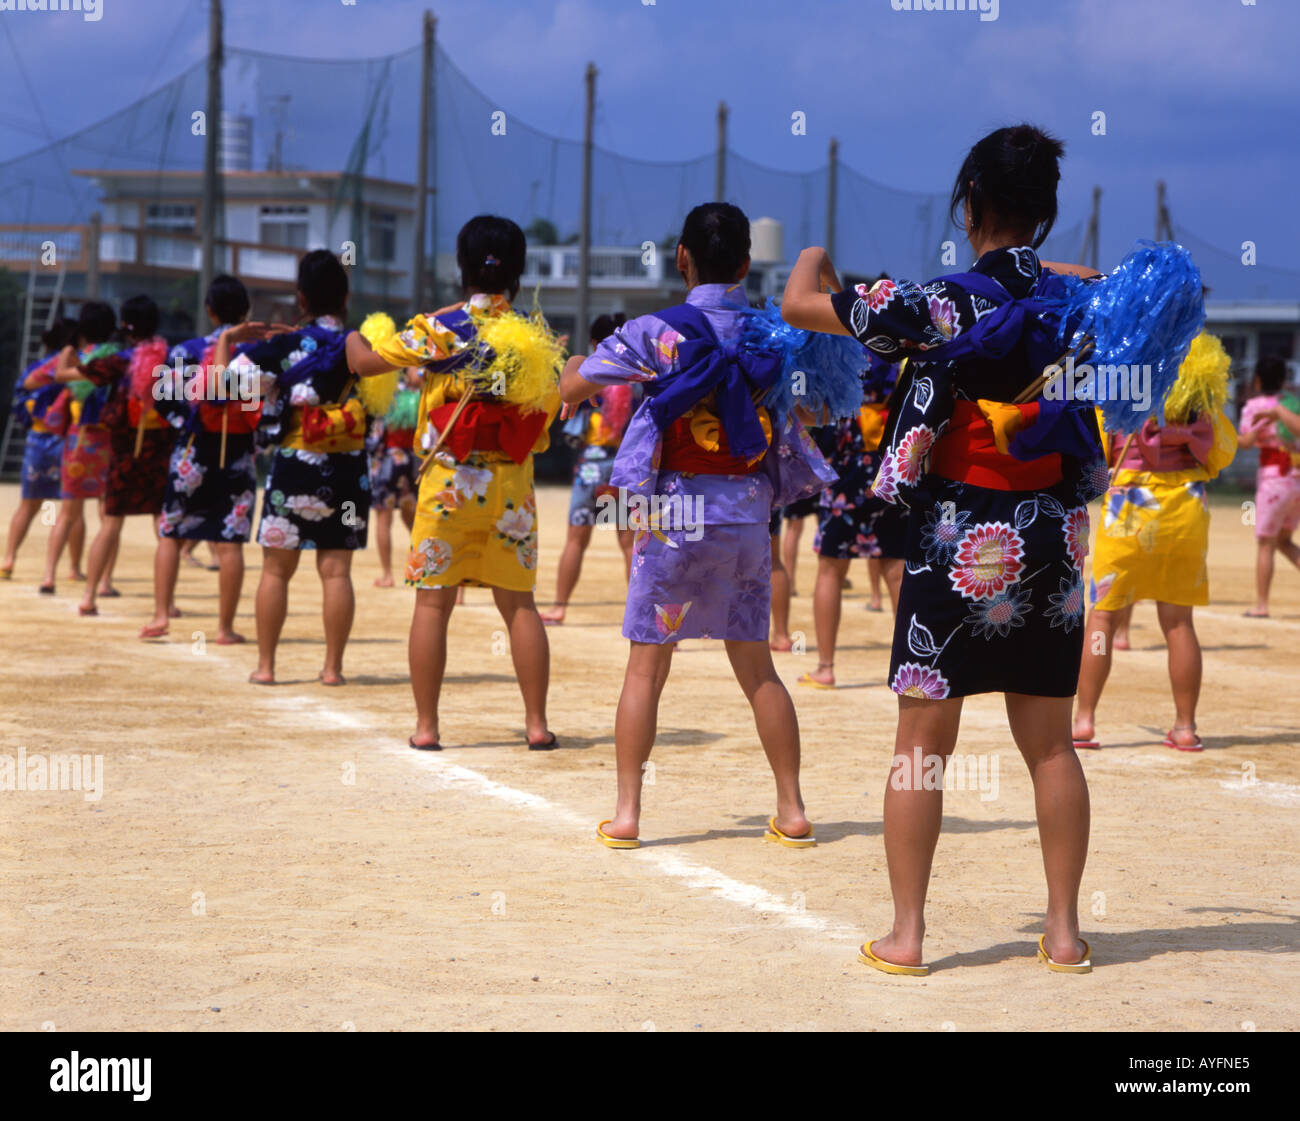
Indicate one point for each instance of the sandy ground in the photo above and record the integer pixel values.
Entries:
(279, 859)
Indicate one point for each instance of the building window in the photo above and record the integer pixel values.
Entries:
(1281, 343)
(170, 216)
(382, 236)
(285, 226)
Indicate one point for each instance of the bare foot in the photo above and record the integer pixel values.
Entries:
(896, 951)
(230, 638)
(1064, 946)
(77, 577)
(1258, 613)
(384, 581)
(823, 675)
(553, 615)
(173, 612)
(1185, 737)
(331, 677)
(1122, 642)
(191, 559)
(794, 825)
(782, 643)
(262, 677)
(84, 608)
(875, 604)
(1084, 729)
(623, 828)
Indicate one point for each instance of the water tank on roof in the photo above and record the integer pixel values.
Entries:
(235, 151)
(766, 241)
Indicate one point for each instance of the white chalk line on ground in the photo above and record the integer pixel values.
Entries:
(691, 873)
(1266, 624)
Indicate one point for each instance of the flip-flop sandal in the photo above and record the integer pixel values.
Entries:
(812, 682)
(1169, 741)
(153, 631)
(1082, 966)
(615, 842)
(868, 956)
(1254, 615)
(84, 611)
(46, 589)
(112, 593)
(1088, 745)
(546, 745)
(6, 573)
(774, 834)
(435, 746)
(332, 684)
(237, 640)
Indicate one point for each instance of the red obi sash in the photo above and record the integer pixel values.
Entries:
(681, 452)
(1276, 457)
(967, 453)
(487, 426)
(404, 438)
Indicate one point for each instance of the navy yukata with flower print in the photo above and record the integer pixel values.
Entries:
(992, 594)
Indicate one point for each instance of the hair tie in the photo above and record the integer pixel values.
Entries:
(490, 260)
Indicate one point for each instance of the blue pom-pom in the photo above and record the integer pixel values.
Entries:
(1143, 316)
(818, 371)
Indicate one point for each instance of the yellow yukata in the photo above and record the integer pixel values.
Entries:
(476, 513)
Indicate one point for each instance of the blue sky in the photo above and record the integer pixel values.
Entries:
(1202, 93)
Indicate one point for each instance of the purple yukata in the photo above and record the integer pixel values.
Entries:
(701, 562)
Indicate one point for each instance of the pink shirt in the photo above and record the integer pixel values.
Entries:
(1174, 447)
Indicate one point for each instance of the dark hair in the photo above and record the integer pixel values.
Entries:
(716, 234)
(95, 323)
(323, 282)
(605, 325)
(58, 334)
(1271, 371)
(227, 299)
(491, 253)
(1009, 180)
(140, 317)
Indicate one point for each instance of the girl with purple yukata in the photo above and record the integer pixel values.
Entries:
(700, 469)
(983, 525)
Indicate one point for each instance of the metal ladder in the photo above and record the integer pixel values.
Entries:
(42, 306)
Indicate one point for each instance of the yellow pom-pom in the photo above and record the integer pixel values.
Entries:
(1202, 385)
(528, 357)
(376, 392)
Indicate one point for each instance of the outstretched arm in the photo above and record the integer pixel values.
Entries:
(362, 359)
(805, 304)
(574, 388)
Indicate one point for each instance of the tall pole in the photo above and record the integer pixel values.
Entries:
(832, 196)
(1164, 227)
(1090, 253)
(207, 265)
(578, 338)
(422, 172)
(720, 174)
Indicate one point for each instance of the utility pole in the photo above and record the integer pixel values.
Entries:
(422, 176)
(720, 174)
(832, 196)
(578, 337)
(211, 192)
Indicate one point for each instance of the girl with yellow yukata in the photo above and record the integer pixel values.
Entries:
(488, 399)
(1154, 535)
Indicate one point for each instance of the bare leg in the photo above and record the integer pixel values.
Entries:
(1041, 729)
(626, 538)
(913, 816)
(1098, 643)
(166, 566)
(106, 579)
(339, 607)
(19, 524)
(780, 600)
(1263, 575)
(531, 653)
(1184, 668)
(575, 544)
(873, 583)
(77, 544)
(1123, 617)
(230, 583)
(384, 545)
(892, 570)
(102, 553)
(790, 548)
(427, 653)
(69, 514)
(278, 567)
(827, 600)
(635, 724)
(778, 729)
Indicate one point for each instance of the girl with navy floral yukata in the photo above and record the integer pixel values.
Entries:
(706, 465)
(211, 488)
(992, 592)
(318, 490)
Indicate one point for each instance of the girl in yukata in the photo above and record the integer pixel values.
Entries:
(602, 429)
(317, 491)
(42, 447)
(140, 439)
(84, 469)
(211, 488)
(393, 464)
(992, 590)
(702, 466)
(476, 514)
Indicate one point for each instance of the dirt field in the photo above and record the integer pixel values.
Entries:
(280, 859)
